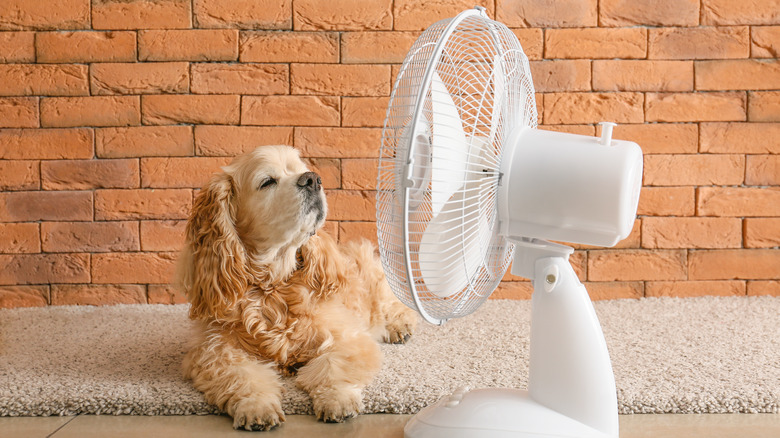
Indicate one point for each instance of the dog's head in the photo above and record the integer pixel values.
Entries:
(278, 202)
(247, 223)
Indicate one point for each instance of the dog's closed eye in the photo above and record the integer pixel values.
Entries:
(268, 182)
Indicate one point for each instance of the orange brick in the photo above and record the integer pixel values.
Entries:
(349, 231)
(243, 14)
(340, 79)
(695, 288)
(636, 265)
(361, 112)
(744, 138)
(667, 201)
(177, 109)
(729, 12)
(738, 74)
(338, 142)
(190, 172)
(343, 15)
(738, 201)
(44, 269)
(142, 204)
(19, 175)
(63, 112)
(359, 174)
(17, 47)
(12, 297)
(351, 205)
(763, 170)
(46, 80)
(45, 144)
(694, 170)
(771, 288)
(331, 228)
(660, 138)
(240, 79)
(765, 42)
(133, 267)
(26, 14)
(643, 75)
(19, 112)
(648, 13)
(691, 232)
(532, 41)
(89, 174)
(563, 75)
(574, 108)
(542, 13)
(89, 236)
(144, 141)
(290, 110)
(236, 140)
(734, 264)
(165, 294)
(376, 47)
(329, 170)
(20, 238)
(595, 43)
(699, 43)
(58, 47)
(613, 290)
(141, 14)
(97, 295)
(289, 47)
(762, 232)
(139, 78)
(513, 290)
(162, 235)
(188, 45)
(695, 107)
(43, 206)
(764, 106)
(416, 15)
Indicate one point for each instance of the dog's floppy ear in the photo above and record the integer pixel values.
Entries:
(217, 275)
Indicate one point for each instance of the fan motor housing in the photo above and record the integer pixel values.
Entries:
(568, 187)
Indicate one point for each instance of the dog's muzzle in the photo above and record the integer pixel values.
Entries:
(310, 184)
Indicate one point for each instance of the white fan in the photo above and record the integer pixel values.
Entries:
(464, 179)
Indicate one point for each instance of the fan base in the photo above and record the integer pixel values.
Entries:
(494, 413)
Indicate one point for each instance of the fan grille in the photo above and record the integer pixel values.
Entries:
(489, 103)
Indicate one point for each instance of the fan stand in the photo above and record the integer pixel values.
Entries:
(571, 390)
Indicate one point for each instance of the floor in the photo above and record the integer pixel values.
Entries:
(374, 426)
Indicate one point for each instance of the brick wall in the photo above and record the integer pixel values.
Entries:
(113, 112)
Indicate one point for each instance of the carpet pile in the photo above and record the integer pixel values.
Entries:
(669, 355)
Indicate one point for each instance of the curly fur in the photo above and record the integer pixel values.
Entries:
(273, 294)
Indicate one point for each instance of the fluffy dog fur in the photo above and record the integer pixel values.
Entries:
(272, 294)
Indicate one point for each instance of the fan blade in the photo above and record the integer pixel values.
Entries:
(449, 147)
(498, 97)
(454, 243)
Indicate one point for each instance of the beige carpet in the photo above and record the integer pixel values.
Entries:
(691, 355)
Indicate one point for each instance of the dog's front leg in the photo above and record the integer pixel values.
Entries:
(235, 381)
(335, 379)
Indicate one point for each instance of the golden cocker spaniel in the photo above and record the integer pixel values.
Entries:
(273, 295)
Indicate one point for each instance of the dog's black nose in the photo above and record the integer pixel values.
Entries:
(310, 181)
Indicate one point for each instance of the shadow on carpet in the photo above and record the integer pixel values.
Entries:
(670, 355)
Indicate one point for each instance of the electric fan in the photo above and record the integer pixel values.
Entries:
(465, 186)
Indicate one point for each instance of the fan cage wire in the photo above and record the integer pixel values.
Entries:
(465, 66)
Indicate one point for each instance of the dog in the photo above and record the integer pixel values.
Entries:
(273, 295)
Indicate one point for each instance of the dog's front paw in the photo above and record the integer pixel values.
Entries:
(257, 414)
(400, 325)
(337, 404)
